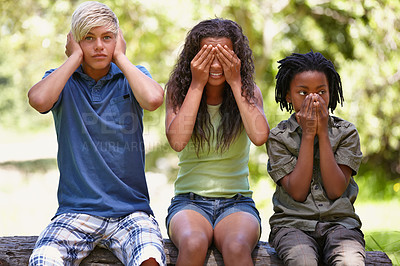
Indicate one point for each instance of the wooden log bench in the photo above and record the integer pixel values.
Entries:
(15, 250)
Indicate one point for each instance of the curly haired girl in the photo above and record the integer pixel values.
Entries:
(213, 110)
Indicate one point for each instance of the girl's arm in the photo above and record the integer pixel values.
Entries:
(148, 93)
(44, 94)
(252, 114)
(179, 121)
(334, 176)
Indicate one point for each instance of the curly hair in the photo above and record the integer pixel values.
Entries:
(178, 84)
(298, 63)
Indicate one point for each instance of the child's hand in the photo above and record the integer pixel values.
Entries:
(307, 116)
(230, 63)
(72, 47)
(322, 115)
(200, 65)
(120, 47)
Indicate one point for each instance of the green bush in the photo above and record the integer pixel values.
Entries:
(388, 242)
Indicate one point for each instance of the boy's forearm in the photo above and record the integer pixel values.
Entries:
(334, 179)
(44, 94)
(148, 92)
(297, 183)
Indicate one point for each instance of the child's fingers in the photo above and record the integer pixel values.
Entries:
(322, 101)
(207, 63)
(315, 109)
(322, 106)
(199, 53)
(305, 105)
(223, 55)
(227, 56)
(312, 110)
(203, 54)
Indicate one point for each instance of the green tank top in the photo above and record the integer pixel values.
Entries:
(212, 173)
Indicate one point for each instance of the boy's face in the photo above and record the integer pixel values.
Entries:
(306, 83)
(98, 48)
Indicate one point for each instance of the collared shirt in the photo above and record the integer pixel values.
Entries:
(283, 148)
(101, 150)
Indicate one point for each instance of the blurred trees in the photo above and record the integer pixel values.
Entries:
(360, 37)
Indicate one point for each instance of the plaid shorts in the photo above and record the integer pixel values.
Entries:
(70, 237)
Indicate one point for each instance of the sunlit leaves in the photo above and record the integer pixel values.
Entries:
(361, 38)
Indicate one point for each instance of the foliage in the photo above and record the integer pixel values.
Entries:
(375, 186)
(386, 241)
(360, 37)
(34, 166)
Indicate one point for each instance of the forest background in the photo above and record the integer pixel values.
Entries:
(361, 38)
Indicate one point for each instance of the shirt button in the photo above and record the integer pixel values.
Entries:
(320, 205)
(316, 187)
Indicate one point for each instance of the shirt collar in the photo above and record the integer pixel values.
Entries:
(114, 70)
(292, 123)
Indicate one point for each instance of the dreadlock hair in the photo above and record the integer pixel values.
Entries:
(181, 77)
(298, 63)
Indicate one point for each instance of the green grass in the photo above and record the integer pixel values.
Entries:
(386, 241)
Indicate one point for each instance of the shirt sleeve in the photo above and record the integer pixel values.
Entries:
(59, 97)
(281, 160)
(348, 151)
(144, 70)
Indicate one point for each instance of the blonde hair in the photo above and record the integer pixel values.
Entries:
(92, 14)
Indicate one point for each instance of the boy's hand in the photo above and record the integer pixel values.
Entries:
(230, 63)
(200, 65)
(72, 47)
(322, 115)
(120, 47)
(307, 116)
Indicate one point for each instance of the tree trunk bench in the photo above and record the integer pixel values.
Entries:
(16, 250)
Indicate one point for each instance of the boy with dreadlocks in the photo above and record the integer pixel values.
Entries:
(312, 158)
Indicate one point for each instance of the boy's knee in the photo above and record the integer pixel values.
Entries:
(345, 247)
(350, 257)
(46, 255)
(301, 255)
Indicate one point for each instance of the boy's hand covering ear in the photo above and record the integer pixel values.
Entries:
(120, 47)
(71, 46)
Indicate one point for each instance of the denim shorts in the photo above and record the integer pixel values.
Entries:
(213, 209)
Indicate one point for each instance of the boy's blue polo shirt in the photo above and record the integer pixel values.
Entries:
(101, 153)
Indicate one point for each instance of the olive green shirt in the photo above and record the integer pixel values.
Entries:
(283, 148)
(212, 173)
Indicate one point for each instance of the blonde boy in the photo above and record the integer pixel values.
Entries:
(97, 99)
